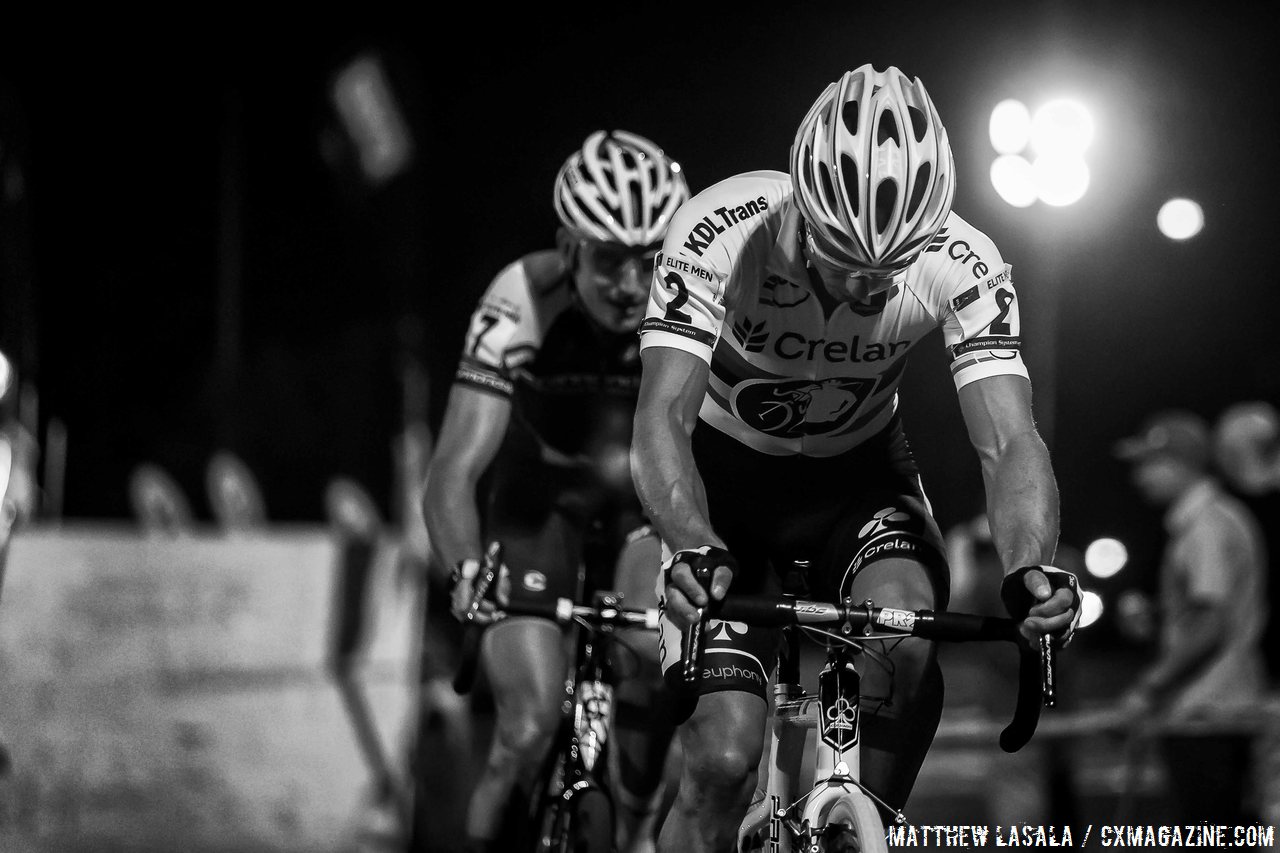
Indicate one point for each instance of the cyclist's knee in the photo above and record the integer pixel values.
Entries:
(524, 736)
(721, 753)
(719, 773)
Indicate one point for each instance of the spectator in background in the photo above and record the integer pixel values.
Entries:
(1246, 450)
(234, 495)
(19, 492)
(1213, 611)
(159, 505)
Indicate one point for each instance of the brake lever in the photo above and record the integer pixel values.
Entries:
(1048, 672)
(489, 568)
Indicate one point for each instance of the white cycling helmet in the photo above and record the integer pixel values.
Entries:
(619, 187)
(872, 170)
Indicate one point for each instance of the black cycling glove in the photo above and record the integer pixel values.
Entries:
(1018, 600)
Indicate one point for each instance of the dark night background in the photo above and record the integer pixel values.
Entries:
(170, 168)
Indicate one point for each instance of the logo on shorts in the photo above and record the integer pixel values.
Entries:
(881, 521)
(725, 632)
(535, 581)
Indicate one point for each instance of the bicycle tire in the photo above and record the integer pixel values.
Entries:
(853, 824)
(583, 823)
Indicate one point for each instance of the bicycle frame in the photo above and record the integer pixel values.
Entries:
(577, 761)
(588, 709)
(834, 713)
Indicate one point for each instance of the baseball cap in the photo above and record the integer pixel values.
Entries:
(1178, 433)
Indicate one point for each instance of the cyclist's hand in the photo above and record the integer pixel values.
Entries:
(1046, 599)
(463, 583)
(685, 596)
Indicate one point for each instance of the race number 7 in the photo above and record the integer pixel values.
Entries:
(487, 322)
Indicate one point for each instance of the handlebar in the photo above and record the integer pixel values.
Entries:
(1036, 670)
(607, 611)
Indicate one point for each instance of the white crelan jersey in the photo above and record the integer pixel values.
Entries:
(732, 287)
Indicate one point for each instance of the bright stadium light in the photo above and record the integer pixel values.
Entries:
(1106, 556)
(1090, 608)
(1010, 126)
(1061, 126)
(1060, 179)
(1180, 219)
(1012, 177)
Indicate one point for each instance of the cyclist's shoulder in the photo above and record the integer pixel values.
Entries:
(962, 246)
(528, 285)
(959, 256)
(714, 228)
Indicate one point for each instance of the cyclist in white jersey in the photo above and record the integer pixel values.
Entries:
(782, 311)
(543, 404)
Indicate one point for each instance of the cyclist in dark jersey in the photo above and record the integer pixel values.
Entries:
(544, 400)
(782, 310)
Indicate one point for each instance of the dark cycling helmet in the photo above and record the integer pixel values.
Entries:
(872, 170)
(619, 187)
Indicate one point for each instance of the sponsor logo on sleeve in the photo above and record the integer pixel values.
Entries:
(704, 233)
(967, 298)
(658, 324)
(959, 250)
(979, 344)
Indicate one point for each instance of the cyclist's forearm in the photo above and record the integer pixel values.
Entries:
(669, 485)
(452, 517)
(1022, 503)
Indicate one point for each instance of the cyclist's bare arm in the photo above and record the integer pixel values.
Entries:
(673, 383)
(474, 425)
(1022, 493)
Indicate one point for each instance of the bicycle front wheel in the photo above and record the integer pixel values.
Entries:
(583, 823)
(853, 824)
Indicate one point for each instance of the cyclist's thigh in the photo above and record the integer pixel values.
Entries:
(526, 662)
(887, 547)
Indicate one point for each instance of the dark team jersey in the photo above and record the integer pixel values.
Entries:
(573, 385)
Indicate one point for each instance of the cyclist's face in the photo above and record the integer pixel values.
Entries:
(613, 281)
(847, 282)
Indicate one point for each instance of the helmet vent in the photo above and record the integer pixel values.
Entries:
(919, 124)
(888, 129)
(850, 176)
(886, 200)
(917, 192)
(849, 115)
(637, 200)
(828, 188)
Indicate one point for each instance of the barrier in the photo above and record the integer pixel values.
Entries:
(176, 694)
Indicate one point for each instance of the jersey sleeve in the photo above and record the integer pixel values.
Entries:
(686, 301)
(502, 333)
(982, 329)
